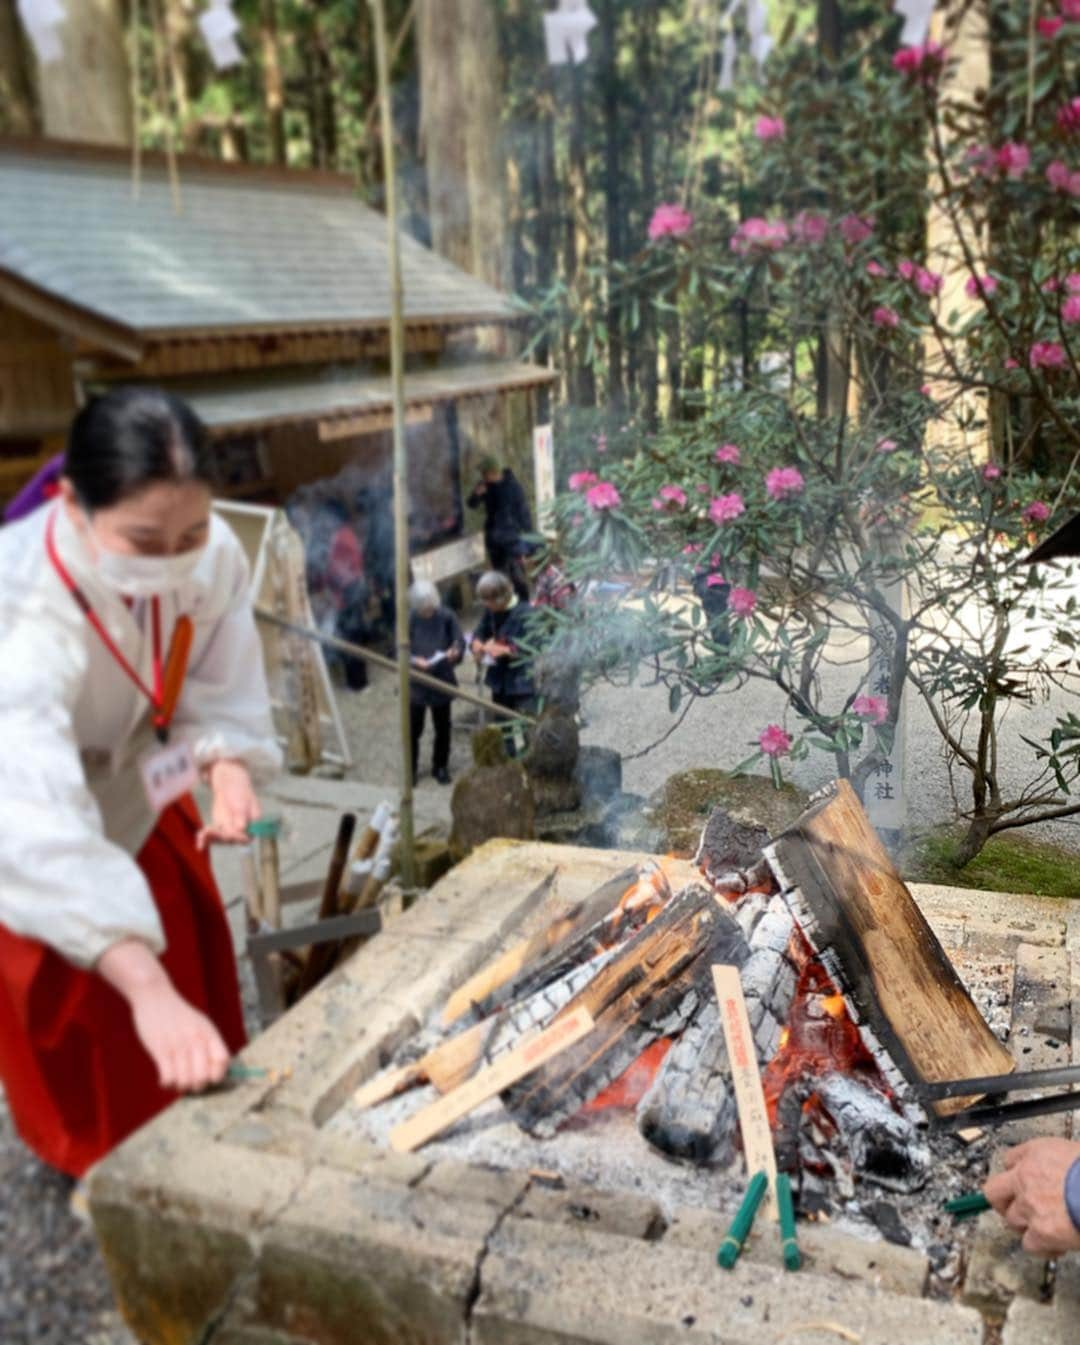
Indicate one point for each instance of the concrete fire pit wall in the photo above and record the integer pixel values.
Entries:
(236, 1219)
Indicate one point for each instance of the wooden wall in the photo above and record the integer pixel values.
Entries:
(37, 397)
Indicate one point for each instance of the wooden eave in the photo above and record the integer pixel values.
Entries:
(81, 324)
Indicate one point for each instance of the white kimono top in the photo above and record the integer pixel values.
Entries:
(73, 812)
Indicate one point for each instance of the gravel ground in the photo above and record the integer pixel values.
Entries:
(53, 1289)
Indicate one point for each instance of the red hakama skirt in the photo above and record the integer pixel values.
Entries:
(77, 1079)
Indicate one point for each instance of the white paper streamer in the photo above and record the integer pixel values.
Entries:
(566, 31)
(757, 25)
(41, 18)
(916, 16)
(219, 26)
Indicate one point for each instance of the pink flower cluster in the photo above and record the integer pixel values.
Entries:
(1068, 117)
(668, 497)
(855, 229)
(922, 62)
(724, 508)
(603, 496)
(773, 741)
(976, 285)
(873, 708)
(1046, 355)
(926, 282)
(1010, 160)
(670, 220)
(884, 316)
(991, 472)
(1049, 28)
(742, 601)
(1036, 512)
(1070, 309)
(728, 453)
(1063, 178)
(809, 228)
(784, 481)
(582, 480)
(1070, 9)
(770, 128)
(760, 235)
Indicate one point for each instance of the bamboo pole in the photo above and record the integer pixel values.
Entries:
(401, 478)
(381, 661)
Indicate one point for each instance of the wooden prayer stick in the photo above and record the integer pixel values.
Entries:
(496, 974)
(447, 1066)
(749, 1094)
(516, 1064)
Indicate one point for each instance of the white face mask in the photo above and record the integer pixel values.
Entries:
(146, 576)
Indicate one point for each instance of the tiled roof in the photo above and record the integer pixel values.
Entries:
(239, 403)
(248, 250)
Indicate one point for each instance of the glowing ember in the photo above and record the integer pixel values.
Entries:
(632, 1085)
(820, 1036)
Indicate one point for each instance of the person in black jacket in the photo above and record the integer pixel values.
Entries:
(497, 643)
(507, 519)
(436, 646)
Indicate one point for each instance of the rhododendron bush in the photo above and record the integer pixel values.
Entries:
(908, 255)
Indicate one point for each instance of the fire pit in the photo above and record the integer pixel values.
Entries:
(279, 1214)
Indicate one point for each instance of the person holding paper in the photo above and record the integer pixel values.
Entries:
(436, 647)
(130, 667)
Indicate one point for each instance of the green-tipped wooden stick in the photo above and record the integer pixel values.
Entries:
(788, 1243)
(741, 1224)
(967, 1206)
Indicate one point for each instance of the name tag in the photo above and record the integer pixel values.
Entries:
(168, 773)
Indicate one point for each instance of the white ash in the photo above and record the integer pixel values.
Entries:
(883, 1145)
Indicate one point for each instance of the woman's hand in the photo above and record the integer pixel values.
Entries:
(477, 650)
(234, 805)
(183, 1043)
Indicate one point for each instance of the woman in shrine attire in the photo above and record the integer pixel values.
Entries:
(129, 667)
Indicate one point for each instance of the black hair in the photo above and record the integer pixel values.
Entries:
(132, 436)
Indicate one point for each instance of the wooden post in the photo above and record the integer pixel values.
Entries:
(401, 477)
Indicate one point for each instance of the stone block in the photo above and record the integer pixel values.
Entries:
(456, 1182)
(1029, 1323)
(544, 1284)
(999, 1269)
(359, 1260)
(882, 1265)
(491, 801)
(176, 1225)
(602, 1211)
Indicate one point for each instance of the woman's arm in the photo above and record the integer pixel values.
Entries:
(183, 1043)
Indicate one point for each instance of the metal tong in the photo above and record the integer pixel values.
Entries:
(997, 1085)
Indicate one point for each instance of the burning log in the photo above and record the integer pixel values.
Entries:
(915, 1017)
(690, 1112)
(884, 1146)
(610, 914)
(650, 988)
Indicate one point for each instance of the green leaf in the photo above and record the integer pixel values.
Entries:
(674, 699)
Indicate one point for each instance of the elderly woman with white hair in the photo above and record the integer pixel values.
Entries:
(436, 646)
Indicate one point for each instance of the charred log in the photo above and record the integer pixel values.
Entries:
(883, 1145)
(593, 926)
(651, 988)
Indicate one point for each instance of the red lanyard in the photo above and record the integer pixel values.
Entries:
(156, 696)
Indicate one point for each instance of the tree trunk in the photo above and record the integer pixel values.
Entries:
(273, 84)
(460, 116)
(649, 354)
(613, 195)
(86, 93)
(833, 353)
(19, 113)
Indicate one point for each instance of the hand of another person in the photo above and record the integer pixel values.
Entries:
(453, 655)
(497, 649)
(421, 663)
(183, 1043)
(1030, 1195)
(234, 805)
(477, 650)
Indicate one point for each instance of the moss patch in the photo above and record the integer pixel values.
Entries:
(1005, 864)
(680, 809)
